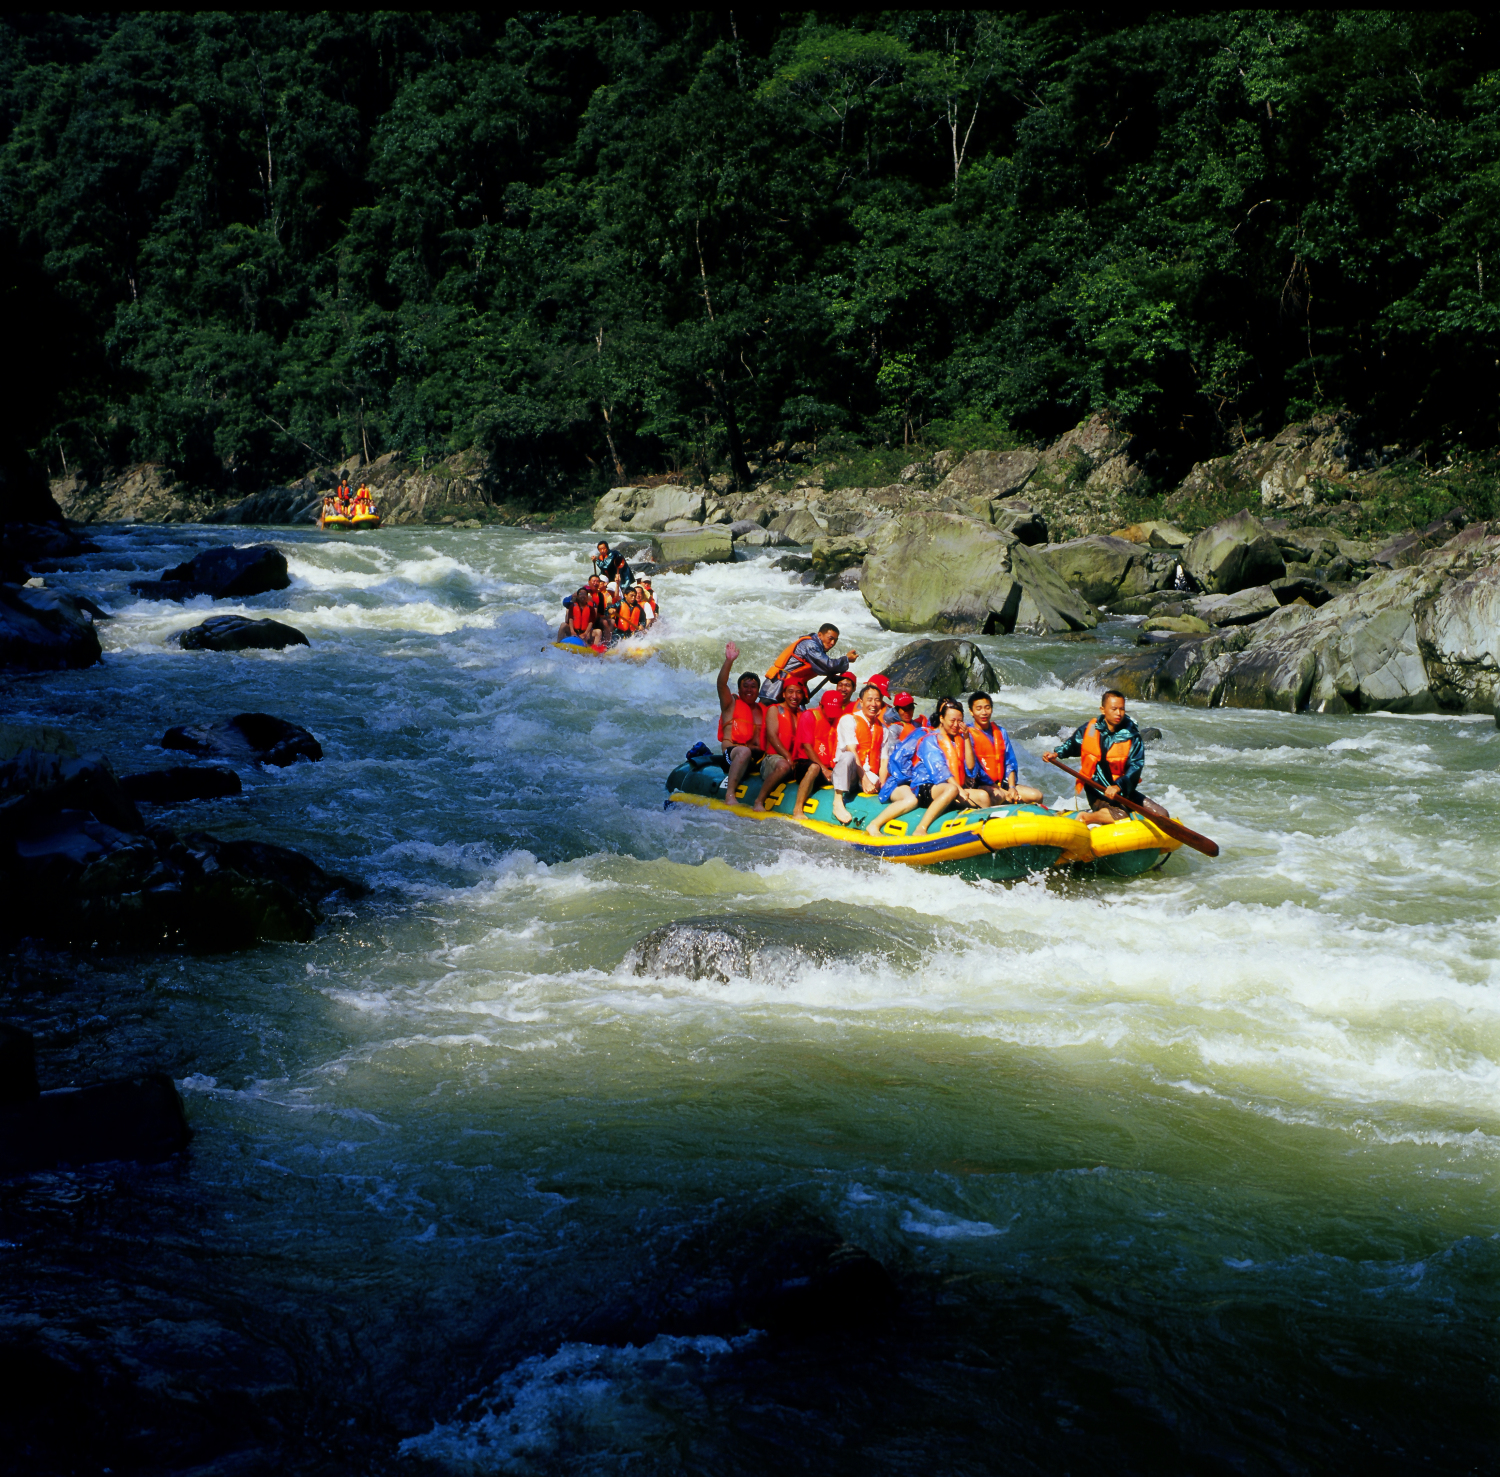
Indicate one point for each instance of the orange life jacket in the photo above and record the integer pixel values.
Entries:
(581, 616)
(905, 727)
(989, 750)
(1091, 751)
(868, 741)
(628, 618)
(747, 725)
(953, 751)
(799, 670)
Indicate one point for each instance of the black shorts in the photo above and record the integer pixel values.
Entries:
(924, 797)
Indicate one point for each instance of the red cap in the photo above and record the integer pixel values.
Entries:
(832, 705)
(883, 682)
(903, 700)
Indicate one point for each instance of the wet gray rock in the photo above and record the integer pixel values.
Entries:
(946, 668)
(185, 782)
(793, 563)
(756, 537)
(255, 738)
(768, 945)
(947, 572)
(992, 475)
(832, 556)
(1407, 549)
(45, 631)
(711, 545)
(1242, 608)
(240, 633)
(222, 573)
(36, 784)
(799, 525)
(1234, 555)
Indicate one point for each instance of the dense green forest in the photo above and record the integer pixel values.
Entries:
(604, 247)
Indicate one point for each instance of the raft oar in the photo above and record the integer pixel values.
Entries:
(1162, 823)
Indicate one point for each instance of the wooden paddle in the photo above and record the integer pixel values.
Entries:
(1180, 833)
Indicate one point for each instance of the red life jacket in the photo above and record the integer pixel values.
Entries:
(989, 750)
(1092, 751)
(953, 751)
(868, 741)
(786, 728)
(819, 738)
(747, 725)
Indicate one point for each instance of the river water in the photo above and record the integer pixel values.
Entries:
(1195, 1171)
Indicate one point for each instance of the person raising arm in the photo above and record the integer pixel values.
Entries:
(742, 722)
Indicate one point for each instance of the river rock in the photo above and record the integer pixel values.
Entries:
(1181, 625)
(1102, 568)
(240, 633)
(134, 1118)
(35, 784)
(768, 945)
(831, 556)
(800, 526)
(1408, 548)
(223, 573)
(711, 545)
(18, 1082)
(1234, 555)
(947, 572)
(185, 782)
(793, 563)
(756, 537)
(17, 736)
(44, 631)
(1155, 534)
(1015, 516)
(947, 668)
(991, 475)
(648, 509)
(248, 737)
(1240, 609)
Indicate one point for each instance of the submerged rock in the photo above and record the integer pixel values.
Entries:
(169, 786)
(45, 631)
(769, 945)
(947, 668)
(223, 573)
(249, 737)
(240, 633)
(947, 572)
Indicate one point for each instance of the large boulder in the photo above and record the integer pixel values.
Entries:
(223, 573)
(248, 737)
(240, 633)
(1102, 568)
(946, 668)
(989, 475)
(800, 526)
(1242, 608)
(1410, 640)
(946, 572)
(44, 631)
(1234, 555)
(36, 784)
(1016, 516)
(183, 782)
(834, 555)
(713, 544)
(756, 537)
(648, 509)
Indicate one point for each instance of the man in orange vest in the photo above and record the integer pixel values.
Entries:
(1113, 754)
(782, 748)
(807, 657)
(742, 722)
(997, 759)
(859, 764)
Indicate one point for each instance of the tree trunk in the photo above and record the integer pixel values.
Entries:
(737, 463)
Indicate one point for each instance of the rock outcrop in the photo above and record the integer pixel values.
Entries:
(45, 631)
(1306, 463)
(251, 738)
(145, 493)
(711, 544)
(946, 572)
(1421, 638)
(947, 668)
(240, 633)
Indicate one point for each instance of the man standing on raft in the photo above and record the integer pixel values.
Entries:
(1114, 755)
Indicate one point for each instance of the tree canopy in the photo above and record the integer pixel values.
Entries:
(599, 247)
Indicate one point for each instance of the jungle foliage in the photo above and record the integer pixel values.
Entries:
(604, 247)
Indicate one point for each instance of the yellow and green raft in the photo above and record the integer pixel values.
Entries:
(1002, 842)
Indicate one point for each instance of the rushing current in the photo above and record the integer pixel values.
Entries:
(1194, 1171)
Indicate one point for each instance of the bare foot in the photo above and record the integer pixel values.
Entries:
(841, 813)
